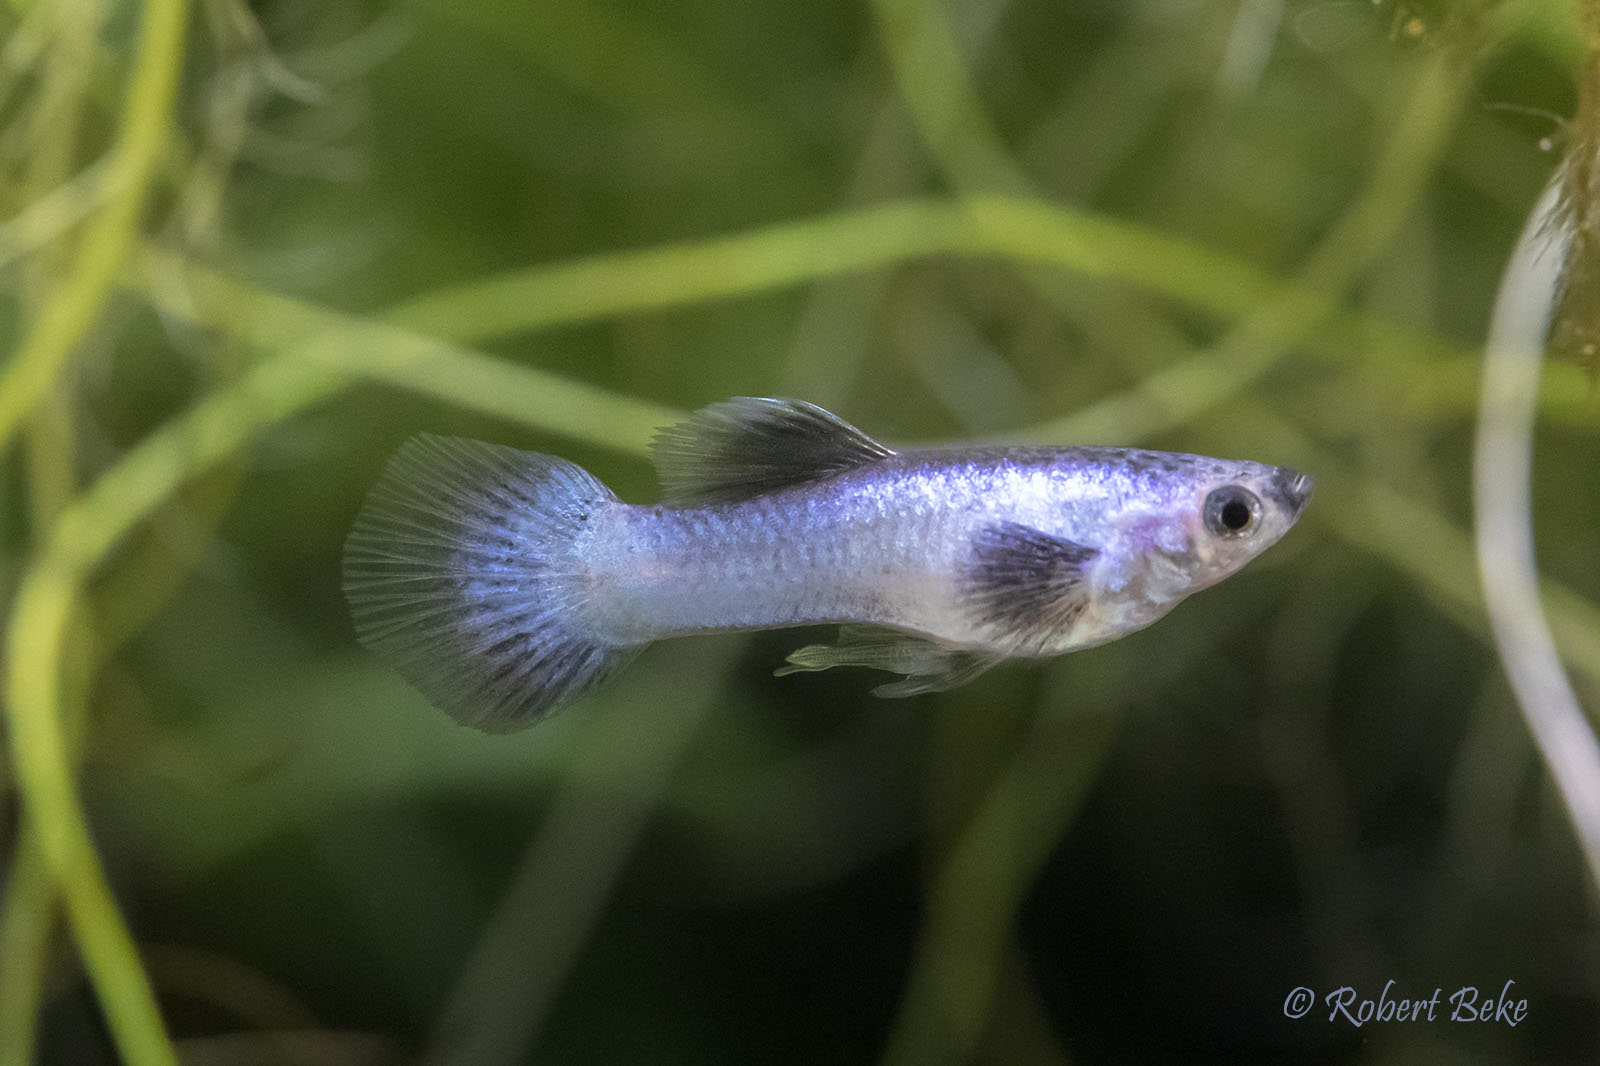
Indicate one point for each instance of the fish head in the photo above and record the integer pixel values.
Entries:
(1163, 525)
(1231, 513)
(1189, 521)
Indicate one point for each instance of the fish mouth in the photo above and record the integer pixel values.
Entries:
(1292, 489)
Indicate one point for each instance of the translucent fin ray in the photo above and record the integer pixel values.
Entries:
(928, 666)
(1026, 586)
(749, 446)
(459, 574)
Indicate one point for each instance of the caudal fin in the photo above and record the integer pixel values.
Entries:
(460, 574)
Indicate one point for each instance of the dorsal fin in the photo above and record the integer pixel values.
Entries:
(749, 446)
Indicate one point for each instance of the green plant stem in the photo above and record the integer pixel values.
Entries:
(938, 89)
(73, 306)
(43, 761)
(342, 349)
(28, 908)
(25, 926)
(38, 640)
(621, 769)
(935, 85)
(1019, 230)
(983, 881)
(1028, 231)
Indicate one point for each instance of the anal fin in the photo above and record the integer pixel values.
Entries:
(928, 666)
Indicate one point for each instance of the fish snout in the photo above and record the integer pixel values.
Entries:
(1292, 489)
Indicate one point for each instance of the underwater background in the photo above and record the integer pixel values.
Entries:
(247, 250)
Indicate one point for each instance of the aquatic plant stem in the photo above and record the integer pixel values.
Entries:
(984, 880)
(787, 253)
(110, 232)
(1018, 230)
(56, 201)
(25, 926)
(936, 86)
(28, 908)
(621, 768)
(37, 642)
(43, 762)
(1502, 506)
(938, 90)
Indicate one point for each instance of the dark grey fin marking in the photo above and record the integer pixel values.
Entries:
(1026, 585)
(749, 446)
(930, 667)
(459, 574)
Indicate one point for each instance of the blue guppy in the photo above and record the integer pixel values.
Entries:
(503, 583)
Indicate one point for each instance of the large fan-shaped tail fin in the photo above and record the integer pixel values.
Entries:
(461, 573)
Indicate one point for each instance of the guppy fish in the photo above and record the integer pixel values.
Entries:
(504, 583)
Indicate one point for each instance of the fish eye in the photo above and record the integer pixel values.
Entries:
(1232, 511)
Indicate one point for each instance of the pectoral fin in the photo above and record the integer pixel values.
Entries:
(929, 667)
(1026, 586)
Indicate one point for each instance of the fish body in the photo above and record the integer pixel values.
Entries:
(505, 583)
(891, 543)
